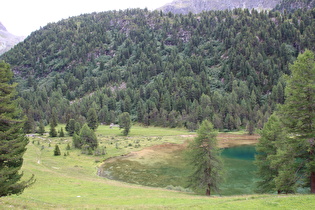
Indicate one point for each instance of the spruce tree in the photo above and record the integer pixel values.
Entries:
(12, 139)
(204, 156)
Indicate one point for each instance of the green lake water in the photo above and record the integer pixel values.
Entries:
(240, 170)
(238, 162)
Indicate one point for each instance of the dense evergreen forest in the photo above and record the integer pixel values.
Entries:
(164, 69)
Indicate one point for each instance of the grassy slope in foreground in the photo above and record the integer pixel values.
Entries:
(70, 182)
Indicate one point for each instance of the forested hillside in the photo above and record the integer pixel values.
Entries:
(164, 69)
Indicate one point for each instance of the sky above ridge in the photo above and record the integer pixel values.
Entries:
(21, 17)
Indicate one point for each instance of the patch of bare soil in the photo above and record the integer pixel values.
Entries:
(231, 140)
(156, 154)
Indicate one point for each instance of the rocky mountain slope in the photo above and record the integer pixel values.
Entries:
(292, 5)
(7, 40)
(197, 6)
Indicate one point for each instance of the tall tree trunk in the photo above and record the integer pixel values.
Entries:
(208, 190)
(312, 172)
(313, 182)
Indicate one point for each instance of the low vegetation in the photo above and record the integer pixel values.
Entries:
(70, 181)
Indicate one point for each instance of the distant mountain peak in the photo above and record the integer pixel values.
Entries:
(2, 28)
(8, 40)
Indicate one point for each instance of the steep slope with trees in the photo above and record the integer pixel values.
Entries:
(163, 69)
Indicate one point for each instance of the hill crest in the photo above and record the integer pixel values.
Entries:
(197, 6)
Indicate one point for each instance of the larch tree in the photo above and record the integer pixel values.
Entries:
(204, 156)
(12, 138)
(298, 115)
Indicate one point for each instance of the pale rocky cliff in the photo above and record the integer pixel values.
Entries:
(7, 40)
(197, 6)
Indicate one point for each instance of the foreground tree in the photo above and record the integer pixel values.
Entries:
(298, 116)
(204, 156)
(12, 139)
(125, 123)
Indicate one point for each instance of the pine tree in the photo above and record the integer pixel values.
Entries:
(41, 129)
(57, 151)
(204, 156)
(298, 115)
(61, 134)
(77, 128)
(12, 139)
(53, 132)
(88, 137)
(68, 147)
(76, 141)
(125, 123)
(92, 119)
(54, 117)
(70, 127)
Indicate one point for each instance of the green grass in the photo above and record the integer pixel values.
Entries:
(71, 182)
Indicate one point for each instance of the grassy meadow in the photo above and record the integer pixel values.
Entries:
(71, 181)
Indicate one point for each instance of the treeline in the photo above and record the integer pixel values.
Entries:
(164, 69)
